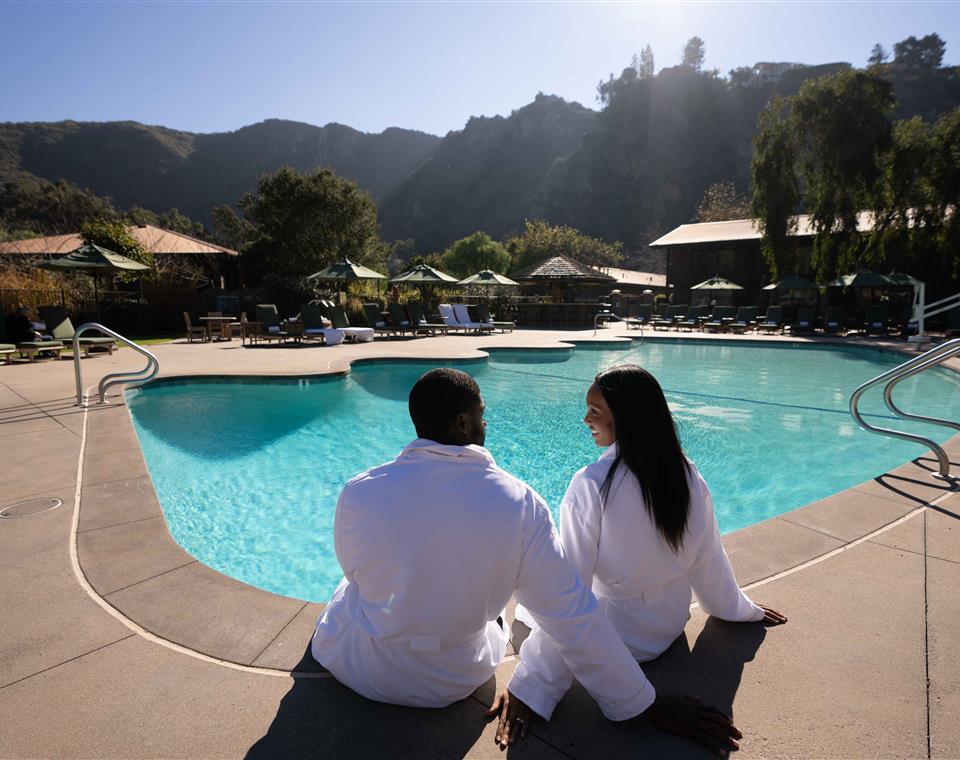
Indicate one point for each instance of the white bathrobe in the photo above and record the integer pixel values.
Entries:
(642, 586)
(432, 546)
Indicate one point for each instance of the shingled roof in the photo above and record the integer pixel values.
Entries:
(561, 269)
(154, 239)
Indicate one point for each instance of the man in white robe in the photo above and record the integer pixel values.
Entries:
(432, 546)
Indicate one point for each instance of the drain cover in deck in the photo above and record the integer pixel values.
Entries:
(29, 507)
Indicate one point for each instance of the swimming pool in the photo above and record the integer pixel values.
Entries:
(248, 470)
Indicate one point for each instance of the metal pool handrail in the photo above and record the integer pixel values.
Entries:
(933, 357)
(608, 314)
(114, 378)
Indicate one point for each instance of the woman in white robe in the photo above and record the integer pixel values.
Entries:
(638, 526)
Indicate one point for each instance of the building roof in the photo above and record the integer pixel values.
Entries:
(154, 239)
(561, 269)
(632, 277)
(740, 229)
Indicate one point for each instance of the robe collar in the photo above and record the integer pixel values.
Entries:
(610, 453)
(425, 448)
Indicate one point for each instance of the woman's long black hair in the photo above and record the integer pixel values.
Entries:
(647, 443)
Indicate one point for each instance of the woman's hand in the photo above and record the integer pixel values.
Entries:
(771, 616)
(688, 716)
(514, 720)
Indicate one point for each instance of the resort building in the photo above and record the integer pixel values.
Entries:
(696, 252)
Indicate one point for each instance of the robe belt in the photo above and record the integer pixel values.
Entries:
(629, 590)
(432, 643)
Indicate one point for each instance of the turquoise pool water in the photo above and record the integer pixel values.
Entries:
(248, 473)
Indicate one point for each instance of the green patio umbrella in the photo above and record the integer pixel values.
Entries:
(488, 278)
(422, 274)
(717, 283)
(904, 280)
(346, 271)
(93, 259)
(793, 282)
(864, 278)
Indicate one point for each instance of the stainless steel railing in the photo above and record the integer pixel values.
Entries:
(607, 315)
(114, 378)
(935, 356)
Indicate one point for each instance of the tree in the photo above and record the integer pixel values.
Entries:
(646, 69)
(116, 237)
(540, 241)
(474, 253)
(776, 190)
(50, 208)
(878, 55)
(694, 53)
(722, 202)
(306, 221)
(741, 76)
(829, 139)
(230, 229)
(925, 53)
(842, 127)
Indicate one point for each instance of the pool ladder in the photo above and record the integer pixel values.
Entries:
(918, 364)
(114, 378)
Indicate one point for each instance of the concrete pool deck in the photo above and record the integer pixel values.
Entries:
(116, 642)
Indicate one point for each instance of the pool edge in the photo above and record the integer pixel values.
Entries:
(164, 581)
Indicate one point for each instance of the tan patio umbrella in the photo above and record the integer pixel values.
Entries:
(488, 278)
(716, 283)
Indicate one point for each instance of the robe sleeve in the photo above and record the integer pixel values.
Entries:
(567, 612)
(580, 515)
(711, 575)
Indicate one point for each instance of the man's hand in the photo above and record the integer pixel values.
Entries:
(771, 616)
(514, 718)
(690, 717)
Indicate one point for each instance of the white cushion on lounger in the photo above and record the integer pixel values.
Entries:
(463, 316)
(360, 334)
(331, 335)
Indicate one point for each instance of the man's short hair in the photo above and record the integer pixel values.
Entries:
(438, 397)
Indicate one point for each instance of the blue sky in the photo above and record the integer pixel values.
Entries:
(217, 66)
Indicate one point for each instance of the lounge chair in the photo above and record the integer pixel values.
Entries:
(674, 315)
(30, 349)
(745, 318)
(483, 314)
(875, 322)
(722, 317)
(449, 317)
(463, 317)
(804, 323)
(834, 322)
(61, 328)
(415, 310)
(194, 331)
(399, 319)
(642, 317)
(315, 329)
(692, 320)
(773, 322)
(375, 321)
(352, 334)
(267, 327)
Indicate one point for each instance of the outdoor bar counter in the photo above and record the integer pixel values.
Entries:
(576, 314)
